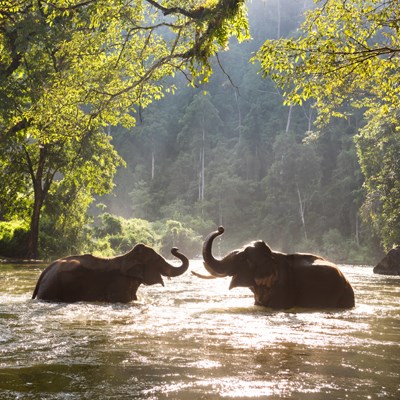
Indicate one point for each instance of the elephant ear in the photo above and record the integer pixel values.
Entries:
(263, 261)
(246, 274)
(131, 263)
(133, 270)
(147, 274)
(151, 275)
(244, 278)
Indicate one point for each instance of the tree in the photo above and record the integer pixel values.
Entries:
(347, 57)
(68, 69)
(291, 185)
(347, 53)
(61, 173)
(201, 125)
(378, 146)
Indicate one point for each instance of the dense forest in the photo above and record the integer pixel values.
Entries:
(223, 152)
(230, 153)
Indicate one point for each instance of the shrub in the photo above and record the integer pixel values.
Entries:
(116, 235)
(176, 234)
(14, 238)
(109, 225)
(139, 230)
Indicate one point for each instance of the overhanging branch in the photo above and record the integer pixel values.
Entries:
(194, 14)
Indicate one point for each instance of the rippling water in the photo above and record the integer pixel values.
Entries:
(195, 339)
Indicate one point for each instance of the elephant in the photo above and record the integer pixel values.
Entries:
(279, 280)
(115, 280)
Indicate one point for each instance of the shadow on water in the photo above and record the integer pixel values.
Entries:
(195, 339)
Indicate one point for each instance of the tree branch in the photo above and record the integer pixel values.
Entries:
(225, 73)
(194, 14)
(73, 7)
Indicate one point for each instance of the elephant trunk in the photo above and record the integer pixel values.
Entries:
(171, 271)
(213, 266)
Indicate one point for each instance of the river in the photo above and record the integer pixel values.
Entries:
(195, 339)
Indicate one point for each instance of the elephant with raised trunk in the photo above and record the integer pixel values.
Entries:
(278, 280)
(116, 280)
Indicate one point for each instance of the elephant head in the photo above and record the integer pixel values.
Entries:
(248, 266)
(145, 264)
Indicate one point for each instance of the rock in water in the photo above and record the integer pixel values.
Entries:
(390, 264)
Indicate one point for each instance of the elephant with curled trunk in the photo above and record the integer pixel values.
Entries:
(89, 278)
(278, 280)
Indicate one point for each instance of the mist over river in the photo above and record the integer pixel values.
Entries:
(195, 339)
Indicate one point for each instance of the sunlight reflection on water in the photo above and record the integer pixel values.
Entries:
(195, 339)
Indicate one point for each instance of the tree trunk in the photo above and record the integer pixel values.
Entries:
(309, 116)
(239, 114)
(288, 119)
(302, 211)
(357, 234)
(152, 164)
(202, 173)
(41, 183)
(33, 239)
(278, 31)
(202, 167)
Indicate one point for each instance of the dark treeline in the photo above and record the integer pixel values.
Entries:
(231, 153)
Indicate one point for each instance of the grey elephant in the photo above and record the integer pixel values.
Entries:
(278, 280)
(89, 278)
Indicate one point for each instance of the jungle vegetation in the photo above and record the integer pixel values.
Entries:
(299, 147)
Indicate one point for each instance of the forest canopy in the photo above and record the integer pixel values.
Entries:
(116, 97)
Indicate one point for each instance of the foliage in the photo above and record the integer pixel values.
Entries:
(69, 69)
(121, 234)
(109, 225)
(378, 145)
(175, 234)
(347, 52)
(346, 57)
(291, 188)
(115, 235)
(252, 162)
(64, 219)
(251, 205)
(225, 153)
(106, 56)
(12, 234)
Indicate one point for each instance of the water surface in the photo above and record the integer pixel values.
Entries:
(195, 339)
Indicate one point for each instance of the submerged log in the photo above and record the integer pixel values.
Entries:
(390, 264)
